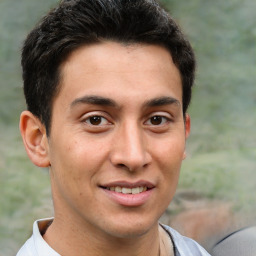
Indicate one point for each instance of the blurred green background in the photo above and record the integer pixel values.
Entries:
(221, 162)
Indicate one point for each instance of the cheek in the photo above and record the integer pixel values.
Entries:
(77, 162)
(65, 163)
(169, 158)
(169, 152)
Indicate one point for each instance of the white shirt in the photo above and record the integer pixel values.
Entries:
(37, 246)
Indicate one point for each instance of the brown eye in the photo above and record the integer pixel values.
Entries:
(96, 120)
(156, 120)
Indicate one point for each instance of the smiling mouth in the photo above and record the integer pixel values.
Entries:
(124, 190)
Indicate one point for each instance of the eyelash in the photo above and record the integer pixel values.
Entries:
(98, 122)
(157, 117)
(98, 119)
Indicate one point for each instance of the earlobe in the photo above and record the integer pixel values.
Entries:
(34, 138)
(187, 126)
(187, 132)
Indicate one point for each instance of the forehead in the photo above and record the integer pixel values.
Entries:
(111, 69)
(111, 55)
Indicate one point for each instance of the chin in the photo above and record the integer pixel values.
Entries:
(131, 232)
(131, 228)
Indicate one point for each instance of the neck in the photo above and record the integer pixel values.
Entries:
(70, 238)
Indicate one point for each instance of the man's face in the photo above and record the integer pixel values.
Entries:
(117, 138)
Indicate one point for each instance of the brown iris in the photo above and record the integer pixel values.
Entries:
(156, 120)
(95, 120)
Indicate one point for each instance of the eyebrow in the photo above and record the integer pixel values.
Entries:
(161, 101)
(103, 101)
(94, 100)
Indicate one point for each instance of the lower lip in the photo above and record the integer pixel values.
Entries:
(130, 200)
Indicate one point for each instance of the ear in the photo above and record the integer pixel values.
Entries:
(34, 138)
(187, 131)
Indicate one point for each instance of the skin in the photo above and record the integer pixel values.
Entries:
(137, 135)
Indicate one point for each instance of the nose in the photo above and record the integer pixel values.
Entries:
(130, 149)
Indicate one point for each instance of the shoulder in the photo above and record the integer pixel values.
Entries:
(185, 246)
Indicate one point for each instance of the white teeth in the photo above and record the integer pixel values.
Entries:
(135, 190)
(118, 189)
(124, 190)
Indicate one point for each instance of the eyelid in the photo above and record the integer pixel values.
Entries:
(161, 114)
(163, 125)
(163, 117)
(102, 122)
(101, 114)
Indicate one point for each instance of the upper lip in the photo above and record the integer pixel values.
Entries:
(127, 184)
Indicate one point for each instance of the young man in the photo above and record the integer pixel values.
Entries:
(107, 85)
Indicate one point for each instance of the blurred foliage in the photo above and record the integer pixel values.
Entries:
(222, 146)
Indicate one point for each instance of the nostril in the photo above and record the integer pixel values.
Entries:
(123, 166)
